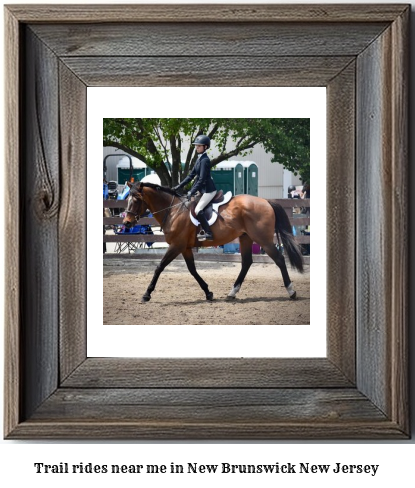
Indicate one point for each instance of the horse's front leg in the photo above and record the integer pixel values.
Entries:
(190, 261)
(171, 253)
(246, 254)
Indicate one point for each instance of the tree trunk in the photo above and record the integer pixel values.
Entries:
(176, 161)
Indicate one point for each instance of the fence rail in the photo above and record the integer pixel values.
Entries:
(287, 203)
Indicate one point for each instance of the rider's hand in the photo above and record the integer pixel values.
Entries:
(175, 188)
(189, 195)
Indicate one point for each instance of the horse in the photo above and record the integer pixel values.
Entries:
(249, 218)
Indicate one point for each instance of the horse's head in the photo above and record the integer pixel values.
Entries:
(136, 207)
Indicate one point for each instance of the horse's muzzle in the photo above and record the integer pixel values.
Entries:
(127, 224)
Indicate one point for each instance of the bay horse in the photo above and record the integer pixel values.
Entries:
(249, 218)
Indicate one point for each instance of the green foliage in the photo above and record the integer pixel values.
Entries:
(160, 141)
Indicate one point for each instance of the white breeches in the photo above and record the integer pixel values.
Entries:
(204, 200)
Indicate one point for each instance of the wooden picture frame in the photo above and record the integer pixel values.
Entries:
(359, 391)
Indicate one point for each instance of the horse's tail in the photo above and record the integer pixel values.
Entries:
(284, 229)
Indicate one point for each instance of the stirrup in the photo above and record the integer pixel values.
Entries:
(203, 236)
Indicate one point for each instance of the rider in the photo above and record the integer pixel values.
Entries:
(204, 184)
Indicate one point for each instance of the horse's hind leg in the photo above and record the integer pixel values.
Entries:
(279, 260)
(246, 254)
(190, 261)
(171, 253)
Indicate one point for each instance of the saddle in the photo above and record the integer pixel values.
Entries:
(211, 210)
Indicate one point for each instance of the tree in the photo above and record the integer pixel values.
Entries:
(158, 142)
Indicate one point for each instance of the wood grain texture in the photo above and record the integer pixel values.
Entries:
(13, 272)
(207, 71)
(72, 222)
(207, 373)
(187, 430)
(206, 399)
(382, 246)
(341, 310)
(213, 405)
(40, 186)
(209, 414)
(400, 245)
(218, 14)
(373, 197)
(200, 39)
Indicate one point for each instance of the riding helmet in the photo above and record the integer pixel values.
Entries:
(202, 140)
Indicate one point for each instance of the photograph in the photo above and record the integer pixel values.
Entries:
(136, 371)
(164, 276)
(204, 207)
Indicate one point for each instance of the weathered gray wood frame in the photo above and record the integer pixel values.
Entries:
(359, 52)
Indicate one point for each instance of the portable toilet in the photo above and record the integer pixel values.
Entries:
(229, 176)
(250, 177)
(123, 169)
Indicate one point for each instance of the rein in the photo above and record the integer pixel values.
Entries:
(168, 208)
(137, 217)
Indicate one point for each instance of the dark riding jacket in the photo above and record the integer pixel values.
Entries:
(204, 182)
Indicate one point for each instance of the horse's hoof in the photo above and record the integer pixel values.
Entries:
(145, 298)
(209, 296)
(230, 298)
(293, 296)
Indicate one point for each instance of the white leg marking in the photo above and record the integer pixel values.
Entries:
(290, 290)
(234, 291)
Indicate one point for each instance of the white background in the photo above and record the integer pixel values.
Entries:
(395, 458)
(185, 341)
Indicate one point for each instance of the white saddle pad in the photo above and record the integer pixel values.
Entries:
(215, 206)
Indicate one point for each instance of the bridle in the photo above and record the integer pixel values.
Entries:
(137, 217)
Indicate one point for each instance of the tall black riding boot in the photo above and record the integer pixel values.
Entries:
(206, 233)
